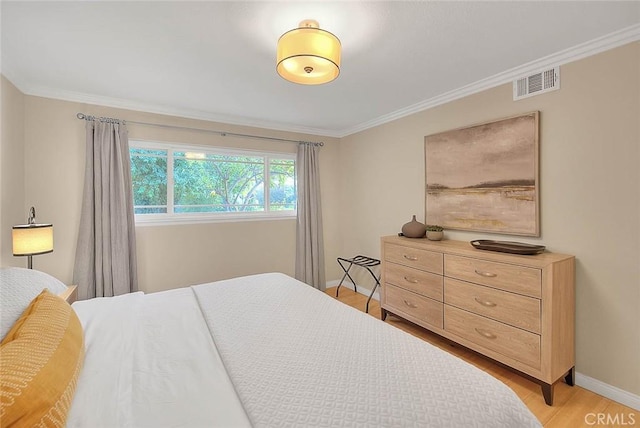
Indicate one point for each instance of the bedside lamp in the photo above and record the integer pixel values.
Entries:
(32, 239)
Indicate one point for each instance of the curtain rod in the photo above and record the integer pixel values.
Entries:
(83, 116)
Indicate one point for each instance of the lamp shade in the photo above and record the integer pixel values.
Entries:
(32, 239)
(308, 55)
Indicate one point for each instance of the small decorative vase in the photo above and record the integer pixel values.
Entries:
(434, 236)
(414, 229)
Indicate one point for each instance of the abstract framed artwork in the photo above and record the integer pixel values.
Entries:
(484, 177)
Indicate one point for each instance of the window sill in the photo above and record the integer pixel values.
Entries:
(179, 219)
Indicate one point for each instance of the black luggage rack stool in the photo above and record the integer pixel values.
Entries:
(365, 262)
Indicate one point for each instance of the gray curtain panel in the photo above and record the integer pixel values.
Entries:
(309, 240)
(105, 262)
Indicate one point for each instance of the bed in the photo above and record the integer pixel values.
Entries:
(269, 351)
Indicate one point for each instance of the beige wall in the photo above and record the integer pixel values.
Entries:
(12, 205)
(589, 183)
(169, 256)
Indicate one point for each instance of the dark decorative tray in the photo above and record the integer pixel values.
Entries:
(507, 247)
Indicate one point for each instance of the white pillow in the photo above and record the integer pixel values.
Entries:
(18, 287)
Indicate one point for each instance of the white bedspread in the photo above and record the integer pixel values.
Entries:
(299, 359)
(150, 362)
(268, 351)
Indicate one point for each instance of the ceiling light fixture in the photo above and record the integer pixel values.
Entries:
(308, 55)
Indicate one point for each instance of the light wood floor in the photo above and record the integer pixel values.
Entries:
(571, 404)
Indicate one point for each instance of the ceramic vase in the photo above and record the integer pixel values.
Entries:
(414, 229)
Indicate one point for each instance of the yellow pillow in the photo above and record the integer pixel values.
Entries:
(40, 360)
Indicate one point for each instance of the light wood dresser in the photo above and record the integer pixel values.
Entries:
(518, 310)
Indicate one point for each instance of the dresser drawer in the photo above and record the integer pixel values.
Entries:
(420, 259)
(406, 302)
(513, 309)
(418, 281)
(517, 279)
(513, 342)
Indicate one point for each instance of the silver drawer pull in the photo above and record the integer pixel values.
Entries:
(486, 334)
(486, 303)
(411, 305)
(411, 280)
(485, 274)
(412, 258)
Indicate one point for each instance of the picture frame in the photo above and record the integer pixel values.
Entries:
(485, 177)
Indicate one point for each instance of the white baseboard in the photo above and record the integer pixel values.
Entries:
(594, 385)
(608, 391)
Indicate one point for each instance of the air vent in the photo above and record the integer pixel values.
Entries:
(537, 83)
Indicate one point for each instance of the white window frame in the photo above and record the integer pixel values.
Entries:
(219, 217)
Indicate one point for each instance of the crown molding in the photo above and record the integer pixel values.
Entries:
(592, 47)
(595, 46)
(47, 92)
(170, 111)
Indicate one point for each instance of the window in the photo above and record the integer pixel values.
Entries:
(175, 183)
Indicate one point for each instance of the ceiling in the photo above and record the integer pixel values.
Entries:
(216, 60)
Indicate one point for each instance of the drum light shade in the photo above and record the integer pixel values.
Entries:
(308, 55)
(32, 239)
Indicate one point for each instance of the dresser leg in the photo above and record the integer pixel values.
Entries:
(547, 392)
(383, 314)
(570, 378)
